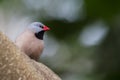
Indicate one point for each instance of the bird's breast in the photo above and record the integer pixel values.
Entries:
(29, 44)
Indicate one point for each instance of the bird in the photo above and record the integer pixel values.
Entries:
(30, 41)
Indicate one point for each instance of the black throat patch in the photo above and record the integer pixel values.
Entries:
(40, 35)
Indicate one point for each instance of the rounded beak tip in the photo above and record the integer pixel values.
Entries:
(46, 28)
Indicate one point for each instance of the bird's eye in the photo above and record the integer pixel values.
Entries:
(41, 26)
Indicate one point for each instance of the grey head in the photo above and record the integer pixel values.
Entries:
(38, 29)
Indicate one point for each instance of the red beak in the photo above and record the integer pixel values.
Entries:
(45, 28)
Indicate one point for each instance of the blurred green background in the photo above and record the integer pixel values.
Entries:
(84, 41)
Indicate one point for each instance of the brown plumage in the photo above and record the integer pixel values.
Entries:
(31, 40)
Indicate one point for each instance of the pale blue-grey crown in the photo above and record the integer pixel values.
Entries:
(36, 27)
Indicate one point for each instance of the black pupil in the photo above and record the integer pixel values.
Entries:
(41, 26)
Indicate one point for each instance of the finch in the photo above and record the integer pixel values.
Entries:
(31, 40)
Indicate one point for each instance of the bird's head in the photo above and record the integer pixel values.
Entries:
(38, 29)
